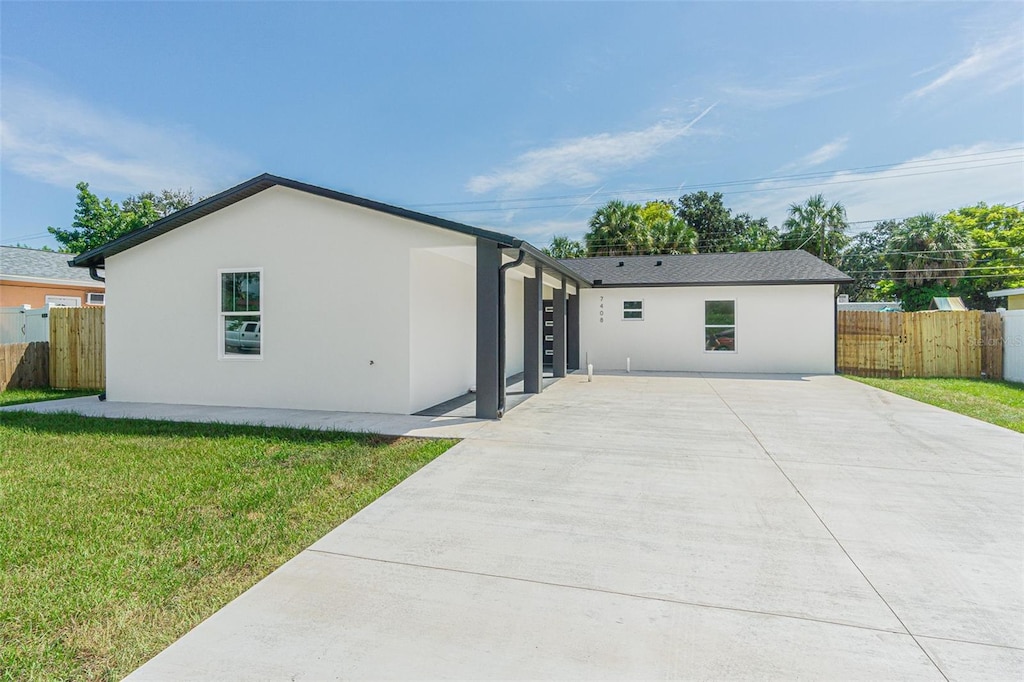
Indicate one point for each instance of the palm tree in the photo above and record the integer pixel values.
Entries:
(562, 246)
(617, 229)
(667, 232)
(925, 249)
(816, 227)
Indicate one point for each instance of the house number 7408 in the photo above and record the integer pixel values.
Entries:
(601, 316)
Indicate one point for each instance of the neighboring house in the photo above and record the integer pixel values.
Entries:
(717, 312)
(1014, 297)
(276, 293)
(30, 277)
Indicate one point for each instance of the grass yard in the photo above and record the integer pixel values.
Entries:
(18, 396)
(996, 402)
(118, 536)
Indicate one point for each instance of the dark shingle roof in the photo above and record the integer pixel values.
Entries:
(761, 267)
(17, 261)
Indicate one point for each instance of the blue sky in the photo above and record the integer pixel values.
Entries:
(522, 117)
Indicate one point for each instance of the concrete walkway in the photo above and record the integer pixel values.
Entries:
(442, 426)
(670, 526)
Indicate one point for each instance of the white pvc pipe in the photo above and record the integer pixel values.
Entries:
(590, 372)
(627, 364)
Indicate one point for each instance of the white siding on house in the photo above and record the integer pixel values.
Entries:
(337, 313)
(784, 329)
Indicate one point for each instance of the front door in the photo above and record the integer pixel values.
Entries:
(549, 334)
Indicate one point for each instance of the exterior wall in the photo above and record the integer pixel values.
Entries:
(336, 307)
(785, 329)
(513, 324)
(15, 294)
(1015, 302)
(442, 348)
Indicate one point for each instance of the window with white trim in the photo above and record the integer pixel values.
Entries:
(720, 326)
(632, 310)
(241, 313)
(95, 298)
(63, 301)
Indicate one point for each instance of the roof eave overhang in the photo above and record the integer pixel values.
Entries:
(614, 285)
(97, 257)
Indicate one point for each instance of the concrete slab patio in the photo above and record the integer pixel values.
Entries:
(662, 526)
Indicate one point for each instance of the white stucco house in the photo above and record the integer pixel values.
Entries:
(277, 293)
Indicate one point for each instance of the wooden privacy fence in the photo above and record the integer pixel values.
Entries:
(24, 365)
(77, 348)
(928, 344)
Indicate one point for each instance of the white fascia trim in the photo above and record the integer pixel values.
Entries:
(91, 284)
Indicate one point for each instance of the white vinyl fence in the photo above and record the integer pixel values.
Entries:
(24, 325)
(1013, 345)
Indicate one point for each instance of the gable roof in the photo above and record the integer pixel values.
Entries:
(22, 264)
(96, 257)
(697, 269)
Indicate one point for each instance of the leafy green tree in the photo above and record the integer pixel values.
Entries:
(708, 216)
(165, 203)
(98, 221)
(864, 261)
(817, 227)
(756, 235)
(562, 246)
(998, 263)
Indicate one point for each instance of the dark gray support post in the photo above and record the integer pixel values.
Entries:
(488, 260)
(533, 334)
(558, 359)
(572, 331)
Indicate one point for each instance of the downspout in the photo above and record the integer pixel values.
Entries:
(95, 276)
(501, 327)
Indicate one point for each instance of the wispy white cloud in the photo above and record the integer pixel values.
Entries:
(783, 92)
(912, 187)
(822, 154)
(62, 140)
(582, 161)
(995, 62)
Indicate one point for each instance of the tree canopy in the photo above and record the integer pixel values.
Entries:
(98, 221)
(966, 252)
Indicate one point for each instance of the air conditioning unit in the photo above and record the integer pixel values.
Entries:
(94, 298)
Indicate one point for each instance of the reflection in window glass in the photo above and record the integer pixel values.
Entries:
(632, 310)
(241, 335)
(240, 292)
(720, 326)
(241, 320)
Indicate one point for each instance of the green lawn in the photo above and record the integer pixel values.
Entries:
(118, 536)
(996, 402)
(17, 396)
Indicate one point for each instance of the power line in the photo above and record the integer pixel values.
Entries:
(924, 163)
(748, 191)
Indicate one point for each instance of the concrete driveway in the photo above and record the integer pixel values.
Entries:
(662, 526)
